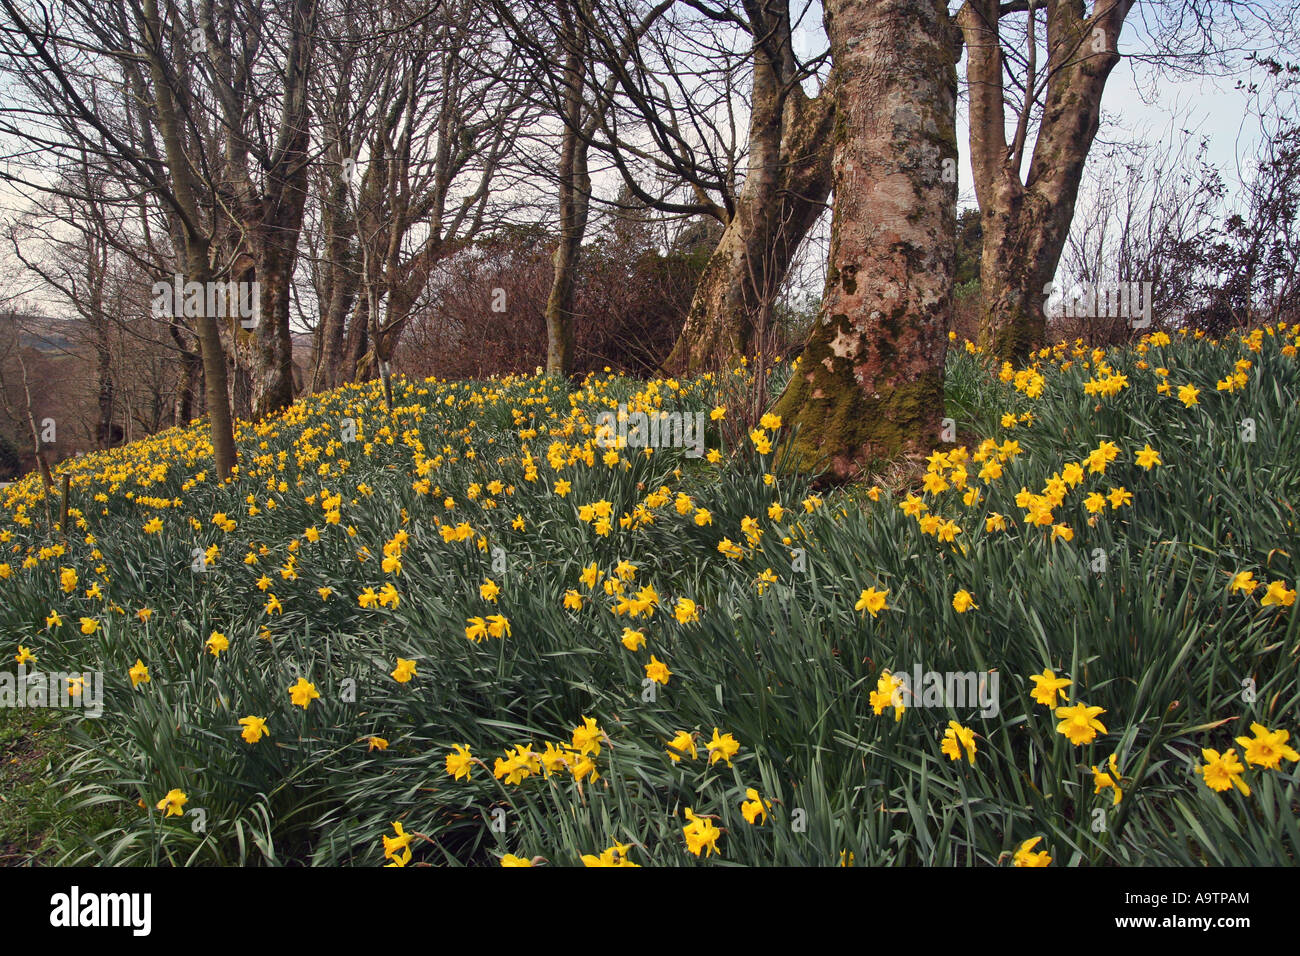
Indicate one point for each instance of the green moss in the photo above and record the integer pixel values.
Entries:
(840, 432)
(1011, 333)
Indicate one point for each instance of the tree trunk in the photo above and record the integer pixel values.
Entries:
(339, 282)
(187, 378)
(870, 382)
(268, 216)
(785, 190)
(106, 397)
(1019, 255)
(38, 446)
(1026, 224)
(358, 343)
(575, 201)
(340, 302)
(225, 457)
(267, 254)
(777, 206)
(216, 397)
(272, 375)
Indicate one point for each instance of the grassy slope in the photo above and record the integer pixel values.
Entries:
(1130, 603)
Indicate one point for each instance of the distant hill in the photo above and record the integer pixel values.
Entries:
(41, 333)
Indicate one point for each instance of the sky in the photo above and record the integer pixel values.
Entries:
(1137, 106)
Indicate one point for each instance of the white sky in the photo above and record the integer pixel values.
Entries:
(1209, 106)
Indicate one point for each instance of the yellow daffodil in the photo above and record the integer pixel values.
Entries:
(303, 693)
(459, 762)
(173, 803)
(1026, 856)
(872, 601)
(1222, 771)
(722, 747)
(404, 671)
(1079, 723)
(1268, 748)
(254, 728)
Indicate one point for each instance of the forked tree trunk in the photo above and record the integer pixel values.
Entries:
(1026, 224)
(197, 243)
(1021, 249)
(785, 190)
(268, 216)
(741, 278)
(870, 382)
(745, 271)
(268, 253)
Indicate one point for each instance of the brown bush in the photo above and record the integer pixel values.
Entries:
(630, 306)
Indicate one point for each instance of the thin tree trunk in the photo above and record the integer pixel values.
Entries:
(104, 372)
(187, 378)
(870, 382)
(38, 447)
(216, 396)
(575, 193)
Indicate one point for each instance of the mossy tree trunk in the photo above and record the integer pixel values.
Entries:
(870, 381)
(1026, 222)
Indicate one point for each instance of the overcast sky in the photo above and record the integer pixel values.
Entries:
(1137, 107)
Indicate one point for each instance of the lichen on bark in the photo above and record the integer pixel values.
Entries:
(870, 381)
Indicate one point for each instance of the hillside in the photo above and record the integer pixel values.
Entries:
(465, 632)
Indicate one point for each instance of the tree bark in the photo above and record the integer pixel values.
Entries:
(339, 285)
(216, 396)
(272, 374)
(107, 398)
(870, 382)
(188, 371)
(575, 202)
(196, 244)
(38, 446)
(268, 219)
(785, 190)
(1026, 224)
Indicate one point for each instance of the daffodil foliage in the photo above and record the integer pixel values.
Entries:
(475, 630)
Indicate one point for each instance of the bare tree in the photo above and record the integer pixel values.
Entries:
(783, 193)
(416, 164)
(666, 94)
(1142, 207)
(62, 57)
(1056, 94)
(261, 134)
